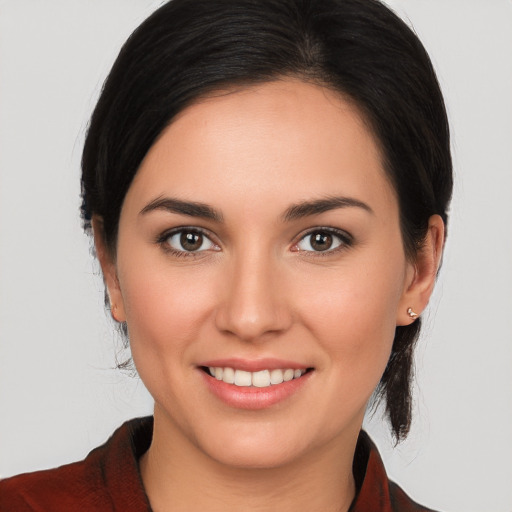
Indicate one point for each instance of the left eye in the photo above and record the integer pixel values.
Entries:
(189, 241)
(321, 241)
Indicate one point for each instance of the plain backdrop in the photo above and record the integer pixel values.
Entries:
(60, 395)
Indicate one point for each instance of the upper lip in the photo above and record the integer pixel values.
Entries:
(254, 365)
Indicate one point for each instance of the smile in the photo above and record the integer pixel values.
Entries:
(259, 379)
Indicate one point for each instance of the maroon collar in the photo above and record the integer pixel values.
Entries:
(375, 492)
(109, 480)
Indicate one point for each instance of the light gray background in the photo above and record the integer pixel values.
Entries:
(59, 395)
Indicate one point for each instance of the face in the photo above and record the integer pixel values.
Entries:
(261, 271)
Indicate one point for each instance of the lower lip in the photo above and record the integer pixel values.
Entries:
(254, 398)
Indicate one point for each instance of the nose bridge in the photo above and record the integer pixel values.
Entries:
(253, 304)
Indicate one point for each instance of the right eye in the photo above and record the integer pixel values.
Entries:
(188, 241)
(323, 241)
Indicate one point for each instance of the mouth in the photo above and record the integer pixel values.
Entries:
(255, 384)
(260, 379)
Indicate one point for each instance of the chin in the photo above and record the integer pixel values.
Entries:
(253, 452)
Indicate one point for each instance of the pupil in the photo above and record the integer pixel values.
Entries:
(321, 241)
(191, 241)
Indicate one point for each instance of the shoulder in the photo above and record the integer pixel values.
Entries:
(375, 491)
(401, 502)
(65, 488)
(108, 475)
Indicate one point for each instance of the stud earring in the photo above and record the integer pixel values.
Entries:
(411, 313)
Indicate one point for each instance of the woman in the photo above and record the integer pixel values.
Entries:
(267, 185)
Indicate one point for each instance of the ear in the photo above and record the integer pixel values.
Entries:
(422, 274)
(109, 270)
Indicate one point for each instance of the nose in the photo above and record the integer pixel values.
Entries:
(254, 305)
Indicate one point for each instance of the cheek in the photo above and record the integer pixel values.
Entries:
(352, 313)
(165, 310)
(354, 322)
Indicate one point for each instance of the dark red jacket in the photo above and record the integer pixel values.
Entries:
(108, 480)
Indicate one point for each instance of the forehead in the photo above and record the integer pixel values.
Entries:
(276, 142)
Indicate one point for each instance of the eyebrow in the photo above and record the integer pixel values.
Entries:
(189, 208)
(307, 208)
(294, 212)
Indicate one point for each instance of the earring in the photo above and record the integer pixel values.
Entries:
(411, 313)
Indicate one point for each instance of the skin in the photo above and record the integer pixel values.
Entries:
(259, 290)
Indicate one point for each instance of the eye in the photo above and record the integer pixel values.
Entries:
(323, 240)
(187, 241)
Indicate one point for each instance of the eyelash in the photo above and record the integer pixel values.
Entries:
(345, 241)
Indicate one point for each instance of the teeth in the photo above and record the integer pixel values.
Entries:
(242, 378)
(276, 376)
(261, 379)
(288, 374)
(228, 375)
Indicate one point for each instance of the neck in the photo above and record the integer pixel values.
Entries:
(179, 476)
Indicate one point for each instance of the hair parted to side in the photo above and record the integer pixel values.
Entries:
(191, 48)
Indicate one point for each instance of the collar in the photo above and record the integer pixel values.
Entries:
(119, 460)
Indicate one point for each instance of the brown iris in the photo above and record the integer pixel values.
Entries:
(321, 241)
(191, 241)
